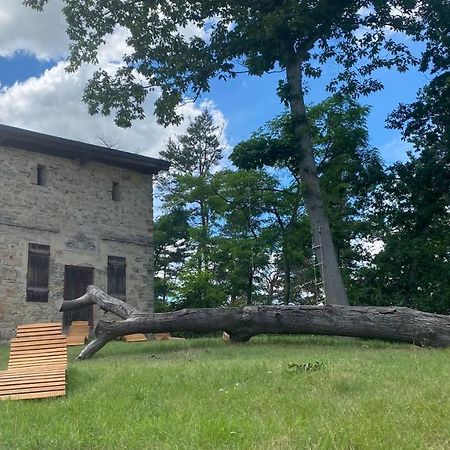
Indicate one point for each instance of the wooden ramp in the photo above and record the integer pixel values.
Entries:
(135, 337)
(37, 363)
(32, 383)
(78, 333)
(38, 351)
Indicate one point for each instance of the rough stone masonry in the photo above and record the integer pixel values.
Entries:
(88, 204)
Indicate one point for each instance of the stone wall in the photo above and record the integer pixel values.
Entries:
(75, 214)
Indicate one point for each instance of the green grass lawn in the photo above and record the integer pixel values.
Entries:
(207, 394)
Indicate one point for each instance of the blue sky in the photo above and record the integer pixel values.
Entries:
(37, 93)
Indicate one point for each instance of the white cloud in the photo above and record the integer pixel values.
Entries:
(42, 34)
(51, 103)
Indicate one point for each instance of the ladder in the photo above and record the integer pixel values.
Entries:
(318, 266)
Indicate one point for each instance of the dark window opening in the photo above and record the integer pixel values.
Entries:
(117, 267)
(116, 191)
(41, 175)
(38, 273)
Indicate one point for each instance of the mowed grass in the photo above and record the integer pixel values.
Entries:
(207, 394)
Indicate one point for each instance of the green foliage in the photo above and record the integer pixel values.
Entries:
(412, 219)
(199, 290)
(349, 170)
(171, 241)
(316, 366)
(358, 36)
(197, 151)
(412, 208)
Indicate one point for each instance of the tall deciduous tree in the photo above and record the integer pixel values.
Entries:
(348, 169)
(412, 269)
(296, 36)
(243, 245)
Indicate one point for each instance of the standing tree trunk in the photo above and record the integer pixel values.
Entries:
(320, 226)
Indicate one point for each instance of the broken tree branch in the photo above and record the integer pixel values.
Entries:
(387, 323)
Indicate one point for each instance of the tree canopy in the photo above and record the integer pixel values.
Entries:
(297, 37)
(232, 37)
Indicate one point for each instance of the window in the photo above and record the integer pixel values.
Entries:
(38, 272)
(41, 175)
(117, 277)
(116, 191)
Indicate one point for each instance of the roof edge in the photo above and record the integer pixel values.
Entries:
(68, 148)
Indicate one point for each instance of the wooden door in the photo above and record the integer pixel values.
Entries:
(76, 280)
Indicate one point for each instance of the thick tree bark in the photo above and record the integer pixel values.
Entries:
(391, 323)
(320, 226)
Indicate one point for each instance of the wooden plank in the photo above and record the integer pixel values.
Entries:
(135, 337)
(38, 332)
(34, 338)
(39, 325)
(38, 361)
(43, 333)
(43, 348)
(35, 361)
(43, 357)
(34, 389)
(24, 384)
(37, 358)
(34, 395)
(37, 355)
(33, 344)
(45, 369)
(46, 360)
(40, 337)
(31, 380)
(37, 350)
(75, 343)
(35, 364)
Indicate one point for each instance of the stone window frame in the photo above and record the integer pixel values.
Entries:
(41, 175)
(38, 273)
(117, 277)
(116, 191)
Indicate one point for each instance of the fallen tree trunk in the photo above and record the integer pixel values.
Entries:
(387, 323)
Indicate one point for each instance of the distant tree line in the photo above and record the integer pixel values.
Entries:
(239, 234)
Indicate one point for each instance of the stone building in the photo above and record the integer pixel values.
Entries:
(71, 214)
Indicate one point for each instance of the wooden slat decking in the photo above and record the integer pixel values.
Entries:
(78, 333)
(37, 363)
